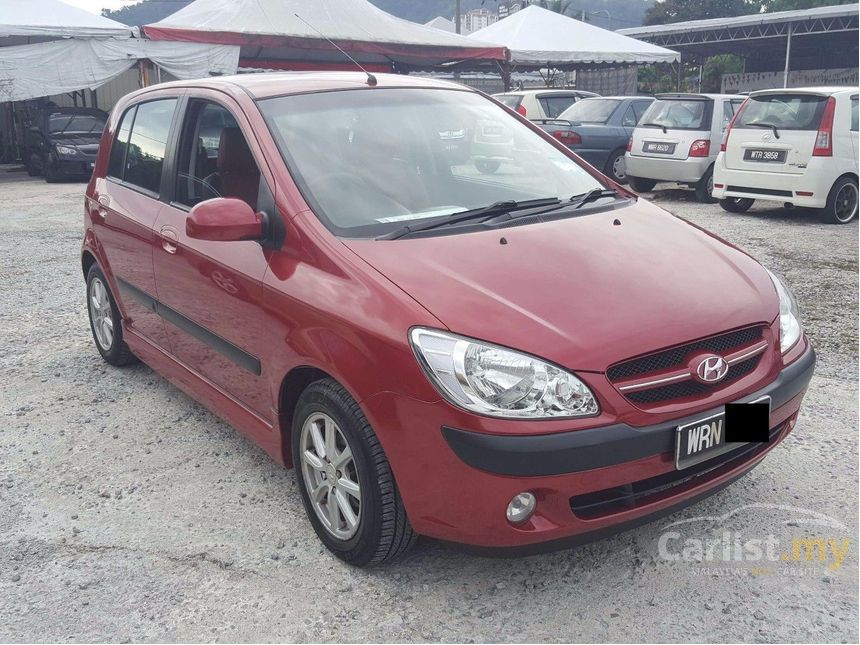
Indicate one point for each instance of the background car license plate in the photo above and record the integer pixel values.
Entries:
(704, 439)
(767, 156)
(660, 148)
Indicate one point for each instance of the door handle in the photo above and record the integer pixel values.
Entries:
(169, 237)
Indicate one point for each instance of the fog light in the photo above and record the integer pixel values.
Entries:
(521, 508)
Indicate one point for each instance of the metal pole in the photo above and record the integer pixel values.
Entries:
(458, 18)
(787, 56)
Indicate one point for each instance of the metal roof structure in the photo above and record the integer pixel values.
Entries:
(782, 41)
(708, 35)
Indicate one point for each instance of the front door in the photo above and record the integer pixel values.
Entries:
(210, 293)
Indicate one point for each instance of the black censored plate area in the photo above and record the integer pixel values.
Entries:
(715, 435)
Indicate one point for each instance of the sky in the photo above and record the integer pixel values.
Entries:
(96, 6)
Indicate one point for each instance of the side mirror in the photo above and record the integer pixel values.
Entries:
(225, 219)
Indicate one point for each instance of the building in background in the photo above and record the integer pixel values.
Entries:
(478, 19)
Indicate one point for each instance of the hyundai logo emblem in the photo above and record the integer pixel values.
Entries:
(712, 369)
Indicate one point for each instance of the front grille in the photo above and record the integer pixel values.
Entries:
(620, 498)
(692, 388)
(674, 357)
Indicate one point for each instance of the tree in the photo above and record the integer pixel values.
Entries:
(789, 5)
(669, 11)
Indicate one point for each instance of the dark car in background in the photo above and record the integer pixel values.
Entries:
(598, 130)
(64, 142)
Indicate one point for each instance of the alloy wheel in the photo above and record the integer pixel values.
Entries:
(101, 314)
(845, 203)
(330, 476)
(618, 168)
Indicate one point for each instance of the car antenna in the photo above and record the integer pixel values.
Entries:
(371, 79)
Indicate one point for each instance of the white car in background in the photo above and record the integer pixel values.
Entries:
(678, 140)
(542, 104)
(795, 146)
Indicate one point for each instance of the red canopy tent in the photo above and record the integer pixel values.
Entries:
(295, 34)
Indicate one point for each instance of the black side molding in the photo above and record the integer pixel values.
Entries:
(224, 347)
(571, 452)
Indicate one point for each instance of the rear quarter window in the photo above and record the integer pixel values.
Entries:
(511, 100)
(785, 111)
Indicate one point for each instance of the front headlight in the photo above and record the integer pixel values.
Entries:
(498, 382)
(789, 318)
(66, 150)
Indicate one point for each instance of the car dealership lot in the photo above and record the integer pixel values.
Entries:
(128, 512)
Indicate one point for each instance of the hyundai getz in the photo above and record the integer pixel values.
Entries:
(512, 361)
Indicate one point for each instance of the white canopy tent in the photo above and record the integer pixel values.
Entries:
(537, 37)
(48, 47)
(296, 34)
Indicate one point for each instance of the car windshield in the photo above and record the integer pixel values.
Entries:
(785, 111)
(65, 123)
(371, 161)
(677, 114)
(590, 111)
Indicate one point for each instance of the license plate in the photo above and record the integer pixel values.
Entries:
(704, 439)
(659, 148)
(766, 156)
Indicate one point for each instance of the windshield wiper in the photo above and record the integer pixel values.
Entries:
(492, 210)
(759, 124)
(656, 125)
(592, 196)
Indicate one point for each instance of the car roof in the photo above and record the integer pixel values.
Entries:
(816, 91)
(261, 85)
(620, 98)
(692, 96)
(547, 90)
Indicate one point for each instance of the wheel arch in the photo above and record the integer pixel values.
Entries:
(87, 261)
(293, 384)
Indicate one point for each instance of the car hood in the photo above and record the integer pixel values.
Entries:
(583, 292)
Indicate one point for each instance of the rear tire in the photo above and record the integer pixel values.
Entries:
(487, 166)
(105, 321)
(377, 530)
(615, 168)
(736, 204)
(641, 185)
(705, 188)
(842, 201)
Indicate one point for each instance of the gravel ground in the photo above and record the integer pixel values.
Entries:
(129, 512)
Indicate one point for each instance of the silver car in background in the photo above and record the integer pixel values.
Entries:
(678, 139)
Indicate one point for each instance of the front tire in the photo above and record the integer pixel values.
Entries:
(345, 480)
(105, 321)
(842, 200)
(736, 204)
(641, 185)
(705, 188)
(52, 175)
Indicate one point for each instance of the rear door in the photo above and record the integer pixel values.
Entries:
(775, 133)
(129, 200)
(670, 126)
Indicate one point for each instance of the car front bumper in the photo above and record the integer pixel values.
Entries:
(685, 171)
(456, 484)
(79, 165)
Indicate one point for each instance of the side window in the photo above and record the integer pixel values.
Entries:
(555, 105)
(214, 158)
(728, 113)
(120, 143)
(147, 144)
(629, 120)
(854, 115)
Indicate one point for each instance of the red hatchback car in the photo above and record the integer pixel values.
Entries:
(510, 361)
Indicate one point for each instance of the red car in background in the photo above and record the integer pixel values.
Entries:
(512, 361)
